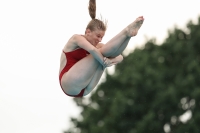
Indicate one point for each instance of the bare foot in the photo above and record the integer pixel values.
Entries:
(133, 28)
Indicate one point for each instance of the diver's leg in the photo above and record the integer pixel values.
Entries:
(94, 80)
(118, 43)
(121, 48)
(84, 74)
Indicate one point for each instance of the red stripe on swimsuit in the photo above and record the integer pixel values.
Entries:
(72, 58)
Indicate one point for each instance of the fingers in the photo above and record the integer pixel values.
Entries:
(107, 62)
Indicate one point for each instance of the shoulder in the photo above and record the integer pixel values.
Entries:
(72, 43)
(82, 42)
(76, 37)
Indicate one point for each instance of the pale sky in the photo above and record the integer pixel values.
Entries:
(32, 35)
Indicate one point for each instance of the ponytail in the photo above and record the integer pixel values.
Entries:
(92, 8)
(95, 23)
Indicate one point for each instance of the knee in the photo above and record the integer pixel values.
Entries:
(121, 57)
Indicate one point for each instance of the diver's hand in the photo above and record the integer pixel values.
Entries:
(107, 62)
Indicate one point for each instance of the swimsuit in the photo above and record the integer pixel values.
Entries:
(72, 58)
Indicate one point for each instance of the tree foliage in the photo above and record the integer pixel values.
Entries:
(155, 90)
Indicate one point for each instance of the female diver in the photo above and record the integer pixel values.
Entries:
(84, 58)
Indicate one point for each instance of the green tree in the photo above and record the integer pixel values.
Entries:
(150, 91)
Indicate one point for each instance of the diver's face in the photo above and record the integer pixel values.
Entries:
(94, 37)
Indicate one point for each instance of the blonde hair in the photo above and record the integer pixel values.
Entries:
(95, 23)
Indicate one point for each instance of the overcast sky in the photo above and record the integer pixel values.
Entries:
(32, 35)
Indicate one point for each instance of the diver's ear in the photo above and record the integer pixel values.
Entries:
(87, 31)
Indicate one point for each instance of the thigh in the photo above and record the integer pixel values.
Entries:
(80, 75)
